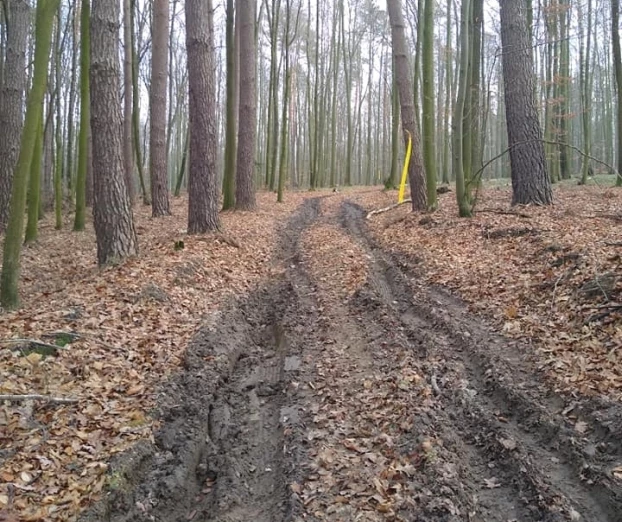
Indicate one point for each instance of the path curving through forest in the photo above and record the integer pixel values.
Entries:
(310, 401)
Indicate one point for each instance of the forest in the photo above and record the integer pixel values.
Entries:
(310, 260)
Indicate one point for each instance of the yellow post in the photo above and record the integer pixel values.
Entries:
(400, 197)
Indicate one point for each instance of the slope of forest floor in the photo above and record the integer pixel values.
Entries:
(107, 338)
(549, 276)
(307, 364)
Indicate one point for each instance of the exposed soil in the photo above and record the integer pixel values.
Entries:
(368, 396)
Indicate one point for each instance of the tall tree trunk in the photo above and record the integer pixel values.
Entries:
(586, 90)
(85, 105)
(158, 161)
(12, 99)
(247, 128)
(462, 196)
(530, 181)
(448, 57)
(429, 125)
(416, 172)
(112, 211)
(202, 183)
(9, 297)
(395, 130)
(128, 139)
(136, 110)
(228, 187)
(617, 64)
(34, 187)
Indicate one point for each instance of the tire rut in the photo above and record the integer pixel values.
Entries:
(496, 406)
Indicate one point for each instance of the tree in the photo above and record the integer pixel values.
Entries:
(228, 183)
(12, 98)
(247, 128)
(85, 124)
(416, 172)
(128, 143)
(45, 12)
(429, 124)
(112, 211)
(617, 63)
(202, 187)
(464, 204)
(158, 162)
(530, 181)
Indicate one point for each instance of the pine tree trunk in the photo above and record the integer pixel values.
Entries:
(416, 172)
(9, 297)
(158, 161)
(530, 181)
(202, 182)
(12, 99)
(247, 128)
(112, 211)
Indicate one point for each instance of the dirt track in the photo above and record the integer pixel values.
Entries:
(393, 404)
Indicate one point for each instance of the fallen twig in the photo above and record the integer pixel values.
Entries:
(386, 209)
(30, 341)
(504, 212)
(36, 397)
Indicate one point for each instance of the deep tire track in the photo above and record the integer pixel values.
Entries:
(500, 410)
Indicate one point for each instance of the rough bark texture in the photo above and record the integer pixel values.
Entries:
(530, 181)
(112, 212)
(12, 99)
(247, 127)
(416, 174)
(128, 143)
(158, 169)
(202, 181)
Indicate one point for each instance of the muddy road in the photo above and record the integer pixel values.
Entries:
(312, 401)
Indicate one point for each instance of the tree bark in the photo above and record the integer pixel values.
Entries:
(530, 181)
(247, 126)
(228, 184)
(85, 105)
(158, 162)
(617, 63)
(112, 211)
(416, 172)
(128, 143)
(12, 99)
(13, 239)
(202, 183)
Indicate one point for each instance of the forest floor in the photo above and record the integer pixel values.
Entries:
(330, 367)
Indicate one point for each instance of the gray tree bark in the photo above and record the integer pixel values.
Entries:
(247, 125)
(158, 162)
(12, 99)
(530, 181)
(112, 212)
(202, 181)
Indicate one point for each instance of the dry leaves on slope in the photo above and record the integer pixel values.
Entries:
(549, 275)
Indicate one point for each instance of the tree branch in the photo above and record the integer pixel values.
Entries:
(37, 397)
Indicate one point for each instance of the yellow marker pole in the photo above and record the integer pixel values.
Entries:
(400, 197)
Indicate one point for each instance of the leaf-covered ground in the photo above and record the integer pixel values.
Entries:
(124, 330)
(552, 276)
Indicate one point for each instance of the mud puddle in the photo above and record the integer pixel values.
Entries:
(394, 404)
